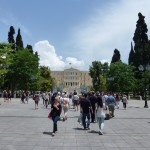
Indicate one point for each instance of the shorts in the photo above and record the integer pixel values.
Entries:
(111, 107)
(75, 102)
(36, 102)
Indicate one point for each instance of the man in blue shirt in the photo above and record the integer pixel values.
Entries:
(111, 104)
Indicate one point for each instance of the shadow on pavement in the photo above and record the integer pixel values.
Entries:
(133, 107)
(47, 133)
(73, 117)
(93, 131)
(78, 128)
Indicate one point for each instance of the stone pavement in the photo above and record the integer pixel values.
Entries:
(23, 128)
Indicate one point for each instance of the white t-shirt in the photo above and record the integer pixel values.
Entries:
(65, 101)
(100, 112)
(104, 98)
(124, 99)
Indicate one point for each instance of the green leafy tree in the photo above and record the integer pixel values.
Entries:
(96, 72)
(5, 61)
(124, 80)
(46, 81)
(24, 67)
(19, 42)
(11, 36)
(116, 56)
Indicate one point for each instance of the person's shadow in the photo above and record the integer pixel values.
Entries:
(47, 133)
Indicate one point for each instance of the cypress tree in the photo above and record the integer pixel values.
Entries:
(19, 42)
(131, 60)
(141, 41)
(11, 36)
(116, 56)
(29, 47)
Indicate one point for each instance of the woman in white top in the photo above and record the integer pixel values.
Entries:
(46, 99)
(65, 105)
(100, 114)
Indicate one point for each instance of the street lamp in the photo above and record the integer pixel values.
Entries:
(144, 68)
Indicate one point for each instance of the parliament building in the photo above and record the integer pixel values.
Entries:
(72, 79)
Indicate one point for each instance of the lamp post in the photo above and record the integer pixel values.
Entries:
(144, 68)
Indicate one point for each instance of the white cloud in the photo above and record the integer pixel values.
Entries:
(109, 28)
(49, 57)
(73, 62)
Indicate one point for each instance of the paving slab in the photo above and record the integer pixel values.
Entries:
(24, 128)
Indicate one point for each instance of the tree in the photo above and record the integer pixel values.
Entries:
(11, 36)
(29, 47)
(140, 42)
(131, 60)
(5, 61)
(46, 81)
(24, 67)
(19, 42)
(116, 56)
(95, 72)
(124, 80)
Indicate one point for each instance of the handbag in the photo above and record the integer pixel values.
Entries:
(34, 98)
(50, 115)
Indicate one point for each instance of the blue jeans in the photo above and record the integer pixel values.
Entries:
(55, 119)
(84, 115)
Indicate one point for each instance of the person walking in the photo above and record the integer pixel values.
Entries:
(27, 96)
(65, 106)
(104, 99)
(111, 104)
(5, 95)
(93, 100)
(100, 114)
(36, 99)
(46, 99)
(9, 95)
(43, 98)
(85, 108)
(23, 95)
(124, 101)
(117, 101)
(55, 113)
(75, 101)
(70, 99)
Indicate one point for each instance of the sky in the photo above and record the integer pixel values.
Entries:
(74, 33)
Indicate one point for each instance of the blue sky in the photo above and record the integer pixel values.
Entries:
(74, 31)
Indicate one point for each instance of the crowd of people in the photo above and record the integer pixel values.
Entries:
(7, 95)
(93, 107)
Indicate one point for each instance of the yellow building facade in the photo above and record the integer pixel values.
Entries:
(72, 79)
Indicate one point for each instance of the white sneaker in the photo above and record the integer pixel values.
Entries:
(53, 134)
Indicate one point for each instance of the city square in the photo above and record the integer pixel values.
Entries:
(22, 127)
(64, 68)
